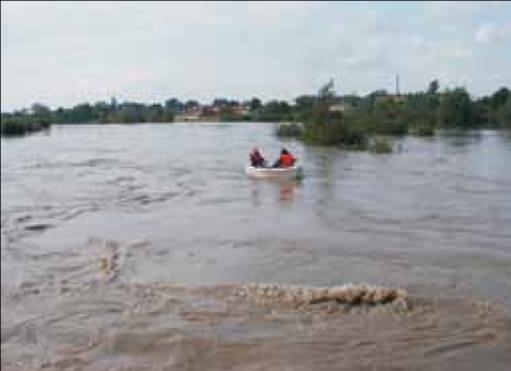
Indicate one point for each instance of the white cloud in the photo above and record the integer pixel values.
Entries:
(492, 32)
(64, 53)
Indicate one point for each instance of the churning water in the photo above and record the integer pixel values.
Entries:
(146, 247)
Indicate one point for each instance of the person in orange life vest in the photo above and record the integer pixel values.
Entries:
(286, 159)
(256, 159)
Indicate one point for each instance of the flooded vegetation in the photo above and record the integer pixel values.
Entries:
(147, 247)
(353, 122)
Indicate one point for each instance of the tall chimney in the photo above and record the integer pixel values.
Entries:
(397, 85)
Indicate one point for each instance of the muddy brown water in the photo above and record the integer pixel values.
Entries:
(146, 247)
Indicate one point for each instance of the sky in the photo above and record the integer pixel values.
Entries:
(65, 53)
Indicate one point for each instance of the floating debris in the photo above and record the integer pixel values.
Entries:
(109, 264)
(349, 294)
(37, 227)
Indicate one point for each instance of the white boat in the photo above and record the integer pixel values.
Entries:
(277, 172)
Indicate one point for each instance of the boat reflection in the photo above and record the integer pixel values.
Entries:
(287, 188)
(282, 190)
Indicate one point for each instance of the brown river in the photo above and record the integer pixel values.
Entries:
(146, 247)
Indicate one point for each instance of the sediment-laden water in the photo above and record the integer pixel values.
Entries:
(146, 247)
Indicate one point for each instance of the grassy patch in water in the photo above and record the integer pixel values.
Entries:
(289, 130)
(380, 145)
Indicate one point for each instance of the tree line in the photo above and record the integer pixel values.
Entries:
(376, 113)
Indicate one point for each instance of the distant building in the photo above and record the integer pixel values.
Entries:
(212, 112)
(209, 113)
(241, 110)
(193, 110)
(338, 107)
(191, 114)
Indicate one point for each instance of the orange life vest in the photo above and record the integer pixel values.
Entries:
(287, 160)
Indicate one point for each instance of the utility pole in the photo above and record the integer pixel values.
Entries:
(397, 85)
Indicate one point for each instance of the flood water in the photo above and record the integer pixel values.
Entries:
(131, 247)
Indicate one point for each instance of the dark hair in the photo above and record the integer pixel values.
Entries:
(284, 151)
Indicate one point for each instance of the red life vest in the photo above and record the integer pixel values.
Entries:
(287, 160)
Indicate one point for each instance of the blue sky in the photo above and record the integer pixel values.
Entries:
(64, 53)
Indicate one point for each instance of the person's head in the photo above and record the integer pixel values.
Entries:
(255, 150)
(284, 151)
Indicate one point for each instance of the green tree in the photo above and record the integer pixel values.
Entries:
(305, 102)
(130, 113)
(173, 106)
(455, 109)
(154, 113)
(101, 111)
(255, 104)
(499, 98)
(80, 113)
(41, 114)
(274, 110)
(504, 114)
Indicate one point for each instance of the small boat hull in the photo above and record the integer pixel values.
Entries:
(272, 173)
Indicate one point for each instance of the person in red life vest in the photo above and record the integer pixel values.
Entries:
(256, 159)
(286, 159)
